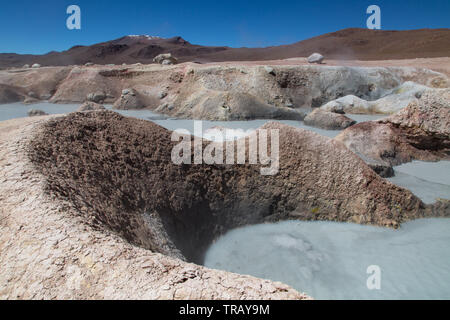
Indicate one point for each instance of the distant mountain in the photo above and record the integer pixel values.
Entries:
(347, 44)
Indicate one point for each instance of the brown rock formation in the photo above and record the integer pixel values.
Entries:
(49, 251)
(328, 120)
(179, 209)
(421, 131)
(36, 113)
(90, 106)
(129, 99)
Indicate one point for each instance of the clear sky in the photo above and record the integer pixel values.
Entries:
(33, 26)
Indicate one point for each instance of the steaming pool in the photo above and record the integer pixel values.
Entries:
(329, 260)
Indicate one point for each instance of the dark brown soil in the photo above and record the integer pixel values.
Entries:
(347, 44)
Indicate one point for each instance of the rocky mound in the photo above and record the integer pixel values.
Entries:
(36, 113)
(328, 120)
(39, 83)
(126, 181)
(211, 92)
(10, 94)
(49, 251)
(129, 99)
(391, 102)
(90, 106)
(421, 131)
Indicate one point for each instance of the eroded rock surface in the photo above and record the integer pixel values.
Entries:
(165, 59)
(90, 106)
(192, 204)
(328, 120)
(50, 250)
(96, 97)
(216, 92)
(29, 100)
(36, 112)
(44, 82)
(421, 131)
(129, 99)
(392, 102)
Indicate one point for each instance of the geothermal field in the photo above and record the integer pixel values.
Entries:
(357, 178)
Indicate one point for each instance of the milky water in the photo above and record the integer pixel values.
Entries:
(19, 110)
(329, 260)
(427, 180)
(188, 124)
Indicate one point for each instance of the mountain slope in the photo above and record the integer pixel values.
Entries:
(347, 44)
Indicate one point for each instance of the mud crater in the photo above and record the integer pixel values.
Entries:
(118, 175)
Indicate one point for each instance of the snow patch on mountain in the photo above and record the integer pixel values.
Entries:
(144, 36)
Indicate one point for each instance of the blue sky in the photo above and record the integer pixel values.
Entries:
(40, 26)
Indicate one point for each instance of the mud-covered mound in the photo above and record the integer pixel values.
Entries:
(117, 172)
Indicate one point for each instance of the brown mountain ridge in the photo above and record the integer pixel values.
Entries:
(347, 44)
